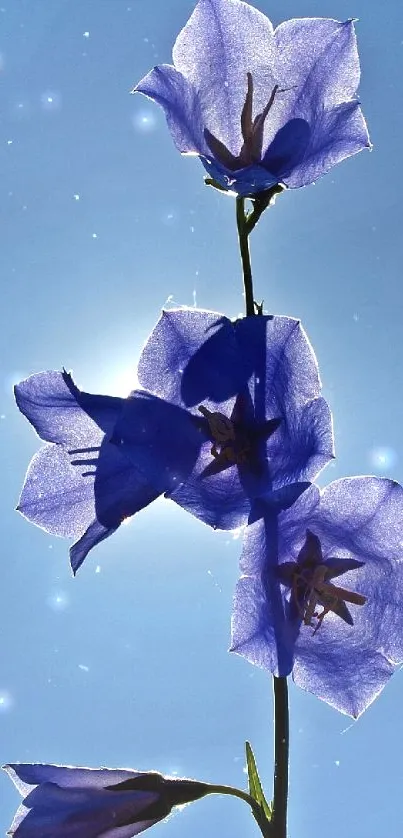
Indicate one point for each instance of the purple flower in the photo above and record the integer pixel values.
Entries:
(253, 387)
(261, 106)
(321, 591)
(94, 803)
(229, 411)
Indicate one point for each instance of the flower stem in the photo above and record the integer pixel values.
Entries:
(264, 825)
(243, 234)
(246, 222)
(281, 754)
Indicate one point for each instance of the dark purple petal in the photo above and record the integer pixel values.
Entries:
(247, 181)
(54, 811)
(161, 440)
(101, 803)
(192, 356)
(222, 41)
(288, 149)
(359, 520)
(260, 631)
(93, 535)
(276, 361)
(61, 413)
(180, 102)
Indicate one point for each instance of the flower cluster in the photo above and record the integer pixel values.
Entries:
(230, 424)
(228, 420)
(228, 411)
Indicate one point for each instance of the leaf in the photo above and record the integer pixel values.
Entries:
(255, 786)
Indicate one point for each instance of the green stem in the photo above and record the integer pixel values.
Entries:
(243, 795)
(281, 753)
(243, 234)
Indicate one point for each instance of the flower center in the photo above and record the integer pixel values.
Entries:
(252, 133)
(229, 446)
(318, 591)
(309, 579)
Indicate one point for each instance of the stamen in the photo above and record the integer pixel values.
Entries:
(227, 448)
(317, 590)
(221, 428)
(252, 133)
(246, 116)
(258, 126)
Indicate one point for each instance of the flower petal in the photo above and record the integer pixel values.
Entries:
(222, 41)
(317, 57)
(27, 775)
(180, 102)
(94, 803)
(337, 134)
(348, 678)
(359, 520)
(60, 412)
(283, 380)
(85, 493)
(53, 811)
(161, 440)
(247, 181)
(192, 356)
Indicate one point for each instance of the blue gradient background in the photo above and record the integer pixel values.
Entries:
(127, 665)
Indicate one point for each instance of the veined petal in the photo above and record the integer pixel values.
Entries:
(56, 496)
(192, 356)
(180, 101)
(198, 358)
(359, 520)
(27, 775)
(347, 678)
(85, 494)
(337, 133)
(222, 41)
(317, 56)
(60, 412)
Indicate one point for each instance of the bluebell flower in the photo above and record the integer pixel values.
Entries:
(93, 803)
(228, 411)
(321, 590)
(261, 106)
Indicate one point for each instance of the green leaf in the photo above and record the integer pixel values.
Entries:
(255, 786)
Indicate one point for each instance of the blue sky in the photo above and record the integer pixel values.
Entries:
(102, 223)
